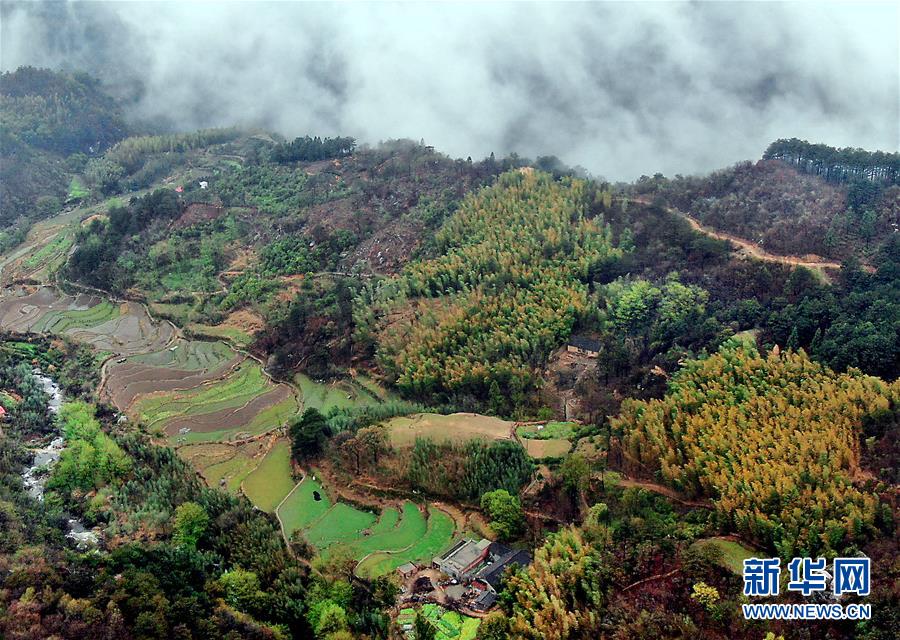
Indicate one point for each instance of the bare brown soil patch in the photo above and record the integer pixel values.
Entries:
(390, 247)
(199, 212)
(245, 320)
(126, 381)
(229, 418)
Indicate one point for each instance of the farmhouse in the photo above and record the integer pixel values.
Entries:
(480, 567)
(462, 558)
(583, 346)
(500, 557)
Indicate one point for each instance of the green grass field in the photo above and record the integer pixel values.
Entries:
(244, 384)
(438, 536)
(300, 508)
(77, 190)
(193, 355)
(340, 524)
(411, 528)
(271, 481)
(733, 553)
(61, 321)
(266, 420)
(549, 431)
(325, 395)
(450, 625)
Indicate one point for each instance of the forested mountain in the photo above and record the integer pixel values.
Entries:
(837, 165)
(52, 123)
(293, 369)
(789, 210)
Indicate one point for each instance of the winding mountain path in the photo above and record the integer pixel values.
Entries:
(751, 249)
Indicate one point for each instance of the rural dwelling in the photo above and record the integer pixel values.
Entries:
(499, 558)
(2, 412)
(462, 557)
(406, 570)
(484, 601)
(583, 346)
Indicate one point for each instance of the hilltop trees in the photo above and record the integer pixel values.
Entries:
(308, 149)
(774, 440)
(837, 165)
(505, 512)
(308, 434)
(505, 291)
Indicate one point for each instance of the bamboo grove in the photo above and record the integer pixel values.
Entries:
(774, 440)
(505, 291)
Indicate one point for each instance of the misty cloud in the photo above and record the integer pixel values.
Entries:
(621, 89)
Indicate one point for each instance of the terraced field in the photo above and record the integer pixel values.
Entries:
(62, 321)
(381, 542)
(438, 536)
(341, 394)
(217, 406)
(223, 403)
(271, 481)
(456, 427)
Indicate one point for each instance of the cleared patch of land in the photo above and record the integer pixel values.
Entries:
(733, 553)
(438, 536)
(456, 427)
(271, 481)
(554, 448)
(327, 395)
(301, 508)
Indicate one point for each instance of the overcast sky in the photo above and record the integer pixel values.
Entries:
(622, 89)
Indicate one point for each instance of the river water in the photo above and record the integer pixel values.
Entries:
(35, 477)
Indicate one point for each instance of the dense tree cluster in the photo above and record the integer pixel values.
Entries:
(851, 324)
(307, 149)
(504, 292)
(91, 459)
(467, 472)
(836, 165)
(773, 439)
(58, 112)
(102, 255)
(131, 153)
(51, 122)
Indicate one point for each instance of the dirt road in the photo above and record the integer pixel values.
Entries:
(751, 249)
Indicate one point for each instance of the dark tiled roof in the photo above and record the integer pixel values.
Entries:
(485, 601)
(504, 557)
(584, 343)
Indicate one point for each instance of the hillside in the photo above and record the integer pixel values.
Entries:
(52, 125)
(295, 372)
(786, 211)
